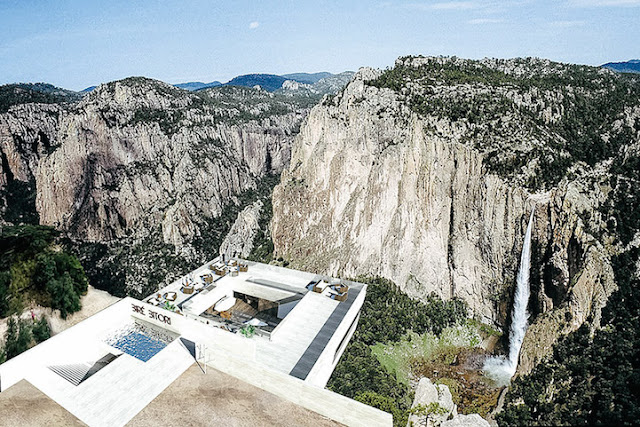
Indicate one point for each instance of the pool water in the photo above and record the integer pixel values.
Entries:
(139, 340)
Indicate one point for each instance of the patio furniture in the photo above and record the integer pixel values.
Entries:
(225, 304)
(220, 271)
(208, 279)
(170, 296)
(342, 297)
(216, 265)
(187, 289)
(340, 288)
(320, 286)
(234, 271)
(243, 267)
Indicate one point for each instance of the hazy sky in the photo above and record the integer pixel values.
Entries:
(75, 44)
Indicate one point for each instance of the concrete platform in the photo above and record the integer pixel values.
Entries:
(196, 399)
(24, 405)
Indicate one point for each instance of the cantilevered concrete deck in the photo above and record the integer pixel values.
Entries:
(320, 341)
(293, 360)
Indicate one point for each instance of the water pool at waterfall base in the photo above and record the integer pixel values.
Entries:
(499, 369)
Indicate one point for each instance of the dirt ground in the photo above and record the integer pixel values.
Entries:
(196, 399)
(24, 405)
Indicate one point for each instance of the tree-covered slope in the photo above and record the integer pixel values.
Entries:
(41, 93)
(34, 268)
(534, 120)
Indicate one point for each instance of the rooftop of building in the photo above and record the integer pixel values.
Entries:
(288, 341)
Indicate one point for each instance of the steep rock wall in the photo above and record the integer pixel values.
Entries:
(137, 154)
(373, 189)
(27, 133)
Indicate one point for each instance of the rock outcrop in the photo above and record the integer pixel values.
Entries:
(471, 420)
(239, 240)
(427, 393)
(118, 173)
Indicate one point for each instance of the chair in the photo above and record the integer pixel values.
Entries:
(320, 286)
(340, 288)
(243, 267)
(342, 297)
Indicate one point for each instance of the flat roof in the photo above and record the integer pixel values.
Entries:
(220, 399)
(24, 405)
(301, 335)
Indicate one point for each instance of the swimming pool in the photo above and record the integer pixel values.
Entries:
(139, 340)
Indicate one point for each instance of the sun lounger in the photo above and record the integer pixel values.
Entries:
(342, 297)
(170, 296)
(320, 286)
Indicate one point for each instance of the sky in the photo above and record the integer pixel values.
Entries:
(79, 43)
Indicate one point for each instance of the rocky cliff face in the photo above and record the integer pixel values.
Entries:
(140, 163)
(118, 174)
(373, 189)
(239, 240)
(426, 174)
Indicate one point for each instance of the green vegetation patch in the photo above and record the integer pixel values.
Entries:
(387, 316)
(32, 267)
(41, 93)
(397, 357)
(21, 335)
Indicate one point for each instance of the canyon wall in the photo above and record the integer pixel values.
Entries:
(375, 189)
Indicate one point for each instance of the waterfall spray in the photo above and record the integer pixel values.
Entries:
(501, 369)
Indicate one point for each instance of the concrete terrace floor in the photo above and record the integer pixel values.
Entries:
(196, 399)
(24, 405)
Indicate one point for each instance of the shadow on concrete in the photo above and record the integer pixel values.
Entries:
(190, 346)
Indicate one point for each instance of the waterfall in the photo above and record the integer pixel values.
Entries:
(501, 369)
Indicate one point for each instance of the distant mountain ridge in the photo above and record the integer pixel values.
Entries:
(631, 66)
(197, 85)
(268, 82)
(308, 78)
(41, 93)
